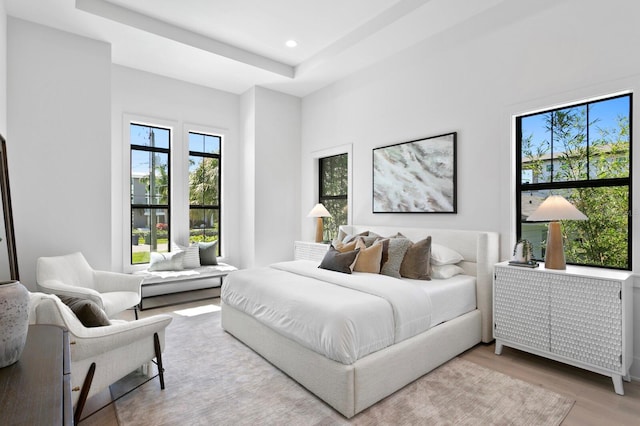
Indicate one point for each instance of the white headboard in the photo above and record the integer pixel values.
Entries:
(480, 249)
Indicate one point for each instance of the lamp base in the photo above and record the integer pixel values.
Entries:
(319, 230)
(554, 257)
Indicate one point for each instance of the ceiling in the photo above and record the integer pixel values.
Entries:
(235, 45)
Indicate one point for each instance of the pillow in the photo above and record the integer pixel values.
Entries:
(340, 262)
(208, 253)
(87, 311)
(342, 247)
(340, 237)
(171, 261)
(350, 238)
(397, 249)
(385, 250)
(369, 257)
(441, 255)
(370, 239)
(417, 261)
(445, 271)
(191, 257)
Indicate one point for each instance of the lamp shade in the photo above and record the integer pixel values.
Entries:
(319, 211)
(556, 207)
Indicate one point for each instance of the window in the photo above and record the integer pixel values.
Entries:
(333, 192)
(583, 153)
(204, 187)
(150, 189)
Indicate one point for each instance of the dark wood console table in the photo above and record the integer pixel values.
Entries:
(36, 390)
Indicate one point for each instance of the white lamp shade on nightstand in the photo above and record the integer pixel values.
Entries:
(319, 211)
(553, 209)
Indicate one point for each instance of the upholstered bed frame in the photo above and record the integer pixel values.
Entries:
(352, 388)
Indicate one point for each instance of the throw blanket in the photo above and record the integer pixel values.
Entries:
(343, 317)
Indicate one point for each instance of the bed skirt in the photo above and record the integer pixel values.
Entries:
(350, 389)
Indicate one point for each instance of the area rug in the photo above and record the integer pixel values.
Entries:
(212, 378)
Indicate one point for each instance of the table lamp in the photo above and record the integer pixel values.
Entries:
(553, 209)
(319, 211)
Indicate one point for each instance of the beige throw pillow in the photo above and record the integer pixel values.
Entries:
(343, 248)
(369, 258)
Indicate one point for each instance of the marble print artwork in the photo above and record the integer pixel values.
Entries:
(415, 176)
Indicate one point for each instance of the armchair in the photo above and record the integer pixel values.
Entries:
(71, 275)
(100, 356)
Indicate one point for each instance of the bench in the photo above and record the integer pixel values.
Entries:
(159, 283)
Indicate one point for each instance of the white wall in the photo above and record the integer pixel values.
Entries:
(271, 158)
(3, 69)
(247, 193)
(59, 89)
(184, 106)
(4, 262)
(471, 80)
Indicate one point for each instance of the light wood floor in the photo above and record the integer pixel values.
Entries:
(596, 402)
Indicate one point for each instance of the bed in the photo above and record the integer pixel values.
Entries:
(355, 379)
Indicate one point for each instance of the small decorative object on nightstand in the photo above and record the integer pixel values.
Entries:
(581, 316)
(522, 255)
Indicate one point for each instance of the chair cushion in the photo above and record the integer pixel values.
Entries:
(88, 312)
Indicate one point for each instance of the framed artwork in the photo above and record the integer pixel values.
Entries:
(416, 177)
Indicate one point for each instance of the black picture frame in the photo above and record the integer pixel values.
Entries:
(8, 238)
(418, 176)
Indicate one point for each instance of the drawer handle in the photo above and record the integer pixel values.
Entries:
(76, 389)
(73, 342)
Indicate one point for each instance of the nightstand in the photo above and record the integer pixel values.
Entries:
(580, 316)
(307, 250)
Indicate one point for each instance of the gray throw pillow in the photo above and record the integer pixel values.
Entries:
(208, 253)
(87, 311)
(397, 249)
(340, 262)
(417, 261)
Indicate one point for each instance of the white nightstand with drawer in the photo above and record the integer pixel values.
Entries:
(307, 250)
(580, 316)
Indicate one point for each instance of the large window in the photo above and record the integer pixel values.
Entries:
(150, 189)
(334, 188)
(583, 153)
(204, 187)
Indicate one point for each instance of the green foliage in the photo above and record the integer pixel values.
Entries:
(203, 182)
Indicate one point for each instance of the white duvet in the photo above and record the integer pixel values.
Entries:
(343, 317)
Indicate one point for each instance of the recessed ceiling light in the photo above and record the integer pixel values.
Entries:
(291, 43)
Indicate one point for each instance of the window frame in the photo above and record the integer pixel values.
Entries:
(218, 156)
(150, 206)
(314, 165)
(575, 184)
(343, 196)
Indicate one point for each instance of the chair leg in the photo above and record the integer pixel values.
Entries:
(135, 311)
(84, 392)
(156, 344)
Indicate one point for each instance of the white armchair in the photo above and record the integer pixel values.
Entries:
(71, 275)
(114, 350)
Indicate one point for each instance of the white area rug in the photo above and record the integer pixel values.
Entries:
(212, 378)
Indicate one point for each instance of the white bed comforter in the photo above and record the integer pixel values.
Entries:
(343, 317)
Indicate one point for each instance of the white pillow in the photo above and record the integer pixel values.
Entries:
(441, 255)
(171, 261)
(443, 272)
(191, 257)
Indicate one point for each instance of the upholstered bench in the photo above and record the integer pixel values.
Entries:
(157, 283)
